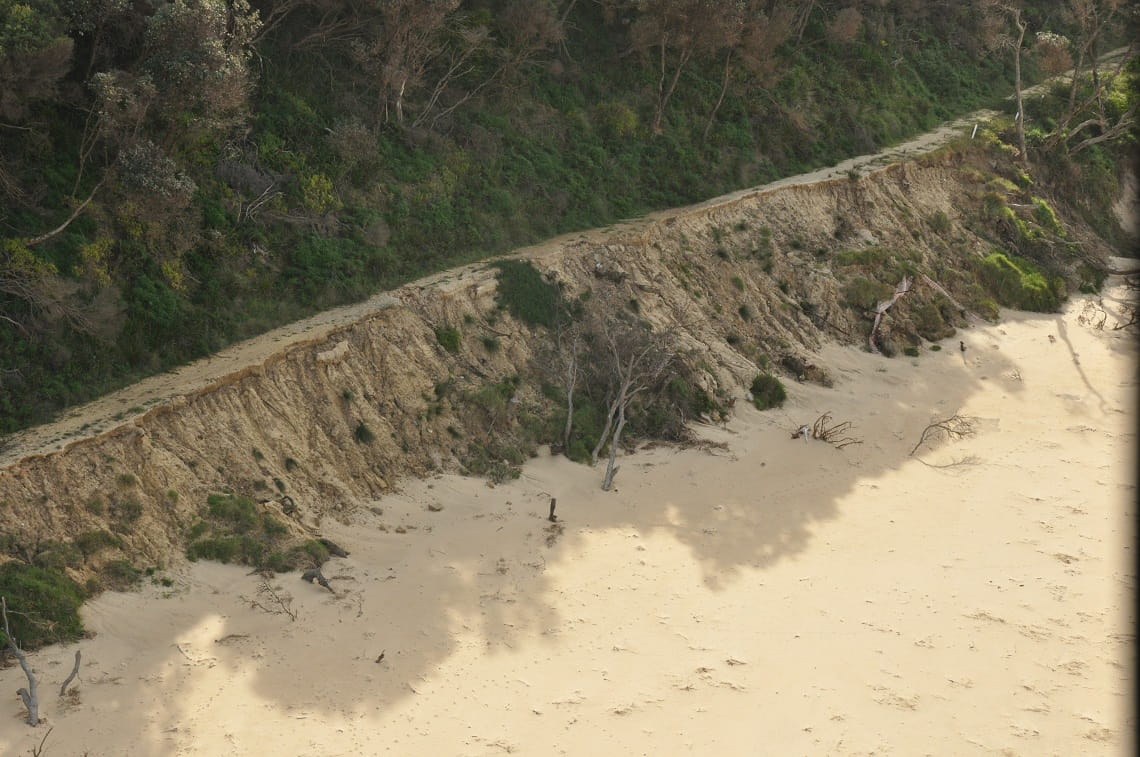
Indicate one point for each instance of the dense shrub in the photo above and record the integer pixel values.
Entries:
(234, 529)
(43, 605)
(527, 295)
(448, 338)
(767, 392)
(1018, 283)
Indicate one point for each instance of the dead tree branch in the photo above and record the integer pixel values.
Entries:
(273, 602)
(882, 308)
(74, 673)
(37, 751)
(74, 214)
(30, 695)
(825, 430)
(954, 427)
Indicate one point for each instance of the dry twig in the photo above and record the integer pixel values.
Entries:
(272, 601)
(954, 427)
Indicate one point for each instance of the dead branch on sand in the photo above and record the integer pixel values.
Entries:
(824, 430)
(960, 462)
(37, 751)
(30, 695)
(271, 601)
(954, 427)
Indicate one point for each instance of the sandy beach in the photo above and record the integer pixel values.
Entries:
(756, 596)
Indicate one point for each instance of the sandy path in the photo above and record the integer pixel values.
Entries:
(774, 597)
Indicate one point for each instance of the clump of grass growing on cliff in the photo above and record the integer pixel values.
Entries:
(1018, 283)
(234, 529)
(448, 338)
(767, 391)
(362, 434)
(527, 295)
(43, 605)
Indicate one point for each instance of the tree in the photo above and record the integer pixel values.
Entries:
(29, 695)
(1001, 39)
(400, 41)
(197, 54)
(753, 31)
(565, 366)
(629, 358)
(1092, 19)
(678, 30)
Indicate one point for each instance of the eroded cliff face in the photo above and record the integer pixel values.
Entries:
(748, 279)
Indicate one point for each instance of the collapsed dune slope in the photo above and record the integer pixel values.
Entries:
(747, 279)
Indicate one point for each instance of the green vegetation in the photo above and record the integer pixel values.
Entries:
(527, 295)
(43, 605)
(362, 434)
(233, 529)
(448, 338)
(1018, 283)
(92, 542)
(236, 174)
(767, 391)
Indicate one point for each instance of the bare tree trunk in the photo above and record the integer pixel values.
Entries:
(664, 93)
(74, 214)
(1020, 118)
(400, 102)
(30, 695)
(720, 99)
(612, 470)
(605, 435)
(569, 422)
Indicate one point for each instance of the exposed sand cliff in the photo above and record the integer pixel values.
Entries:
(748, 275)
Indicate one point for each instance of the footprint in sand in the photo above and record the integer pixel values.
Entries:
(1100, 734)
(890, 698)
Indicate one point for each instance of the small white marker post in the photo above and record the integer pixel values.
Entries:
(974, 132)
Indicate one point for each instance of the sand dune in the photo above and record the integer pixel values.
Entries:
(759, 596)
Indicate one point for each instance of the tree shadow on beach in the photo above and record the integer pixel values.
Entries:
(420, 584)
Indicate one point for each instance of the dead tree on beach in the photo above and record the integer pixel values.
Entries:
(30, 695)
(632, 358)
(567, 366)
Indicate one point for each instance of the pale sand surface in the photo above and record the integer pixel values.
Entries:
(775, 597)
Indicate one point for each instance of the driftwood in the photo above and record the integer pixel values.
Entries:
(30, 695)
(315, 574)
(824, 430)
(881, 309)
(74, 672)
